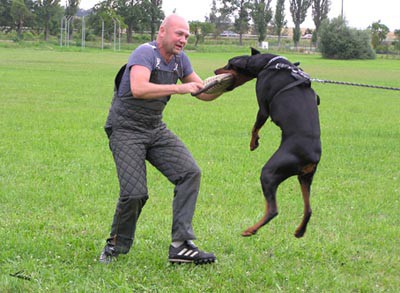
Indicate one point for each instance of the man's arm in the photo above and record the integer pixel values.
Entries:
(142, 88)
(193, 77)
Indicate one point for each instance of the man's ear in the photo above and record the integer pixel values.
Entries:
(254, 51)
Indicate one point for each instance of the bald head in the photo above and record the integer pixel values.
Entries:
(173, 20)
(172, 35)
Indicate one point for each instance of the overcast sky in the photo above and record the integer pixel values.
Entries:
(358, 13)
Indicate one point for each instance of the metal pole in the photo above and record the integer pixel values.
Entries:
(61, 29)
(83, 32)
(342, 10)
(102, 34)
(70, 29)
(119, 35)
(68, 26)
(115, 31)
(67, 34)
(65, 30)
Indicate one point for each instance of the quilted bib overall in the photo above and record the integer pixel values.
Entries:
(137, 133)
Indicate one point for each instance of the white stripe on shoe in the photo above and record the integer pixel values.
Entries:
(182, 251)
(191, 253)
(188, 252)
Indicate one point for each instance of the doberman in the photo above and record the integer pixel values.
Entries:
(284, 93)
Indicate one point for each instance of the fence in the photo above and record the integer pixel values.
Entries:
(65, 32)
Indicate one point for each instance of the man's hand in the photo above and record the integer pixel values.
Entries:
(193, 78)
(189, 87)
(254, 139)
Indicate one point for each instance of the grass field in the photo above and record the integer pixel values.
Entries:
(58, 186)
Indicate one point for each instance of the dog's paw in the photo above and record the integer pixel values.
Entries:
(254, 141)
(253, 147)
(249, 232)
(299, 233)
(254, 144)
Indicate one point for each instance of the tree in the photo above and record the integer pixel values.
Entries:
(72, 7)
(45, 11)
(6, 20)
(320, 10)
(298, 9)
(261, 14)
(156, 16)
(338, 41)
(19, 13)
(379, 32)
(148, 16)
(239, 9)
(213, 16)
(242, 20)
(396, 43)
(279, 19)
(103, 12)
(200, 30)
(220, 21)
(133, 16)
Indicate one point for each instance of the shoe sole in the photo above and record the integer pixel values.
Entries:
(108, 260)
(195, 261)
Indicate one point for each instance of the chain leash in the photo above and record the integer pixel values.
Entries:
(355, 84)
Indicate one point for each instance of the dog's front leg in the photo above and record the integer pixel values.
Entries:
(262, 117)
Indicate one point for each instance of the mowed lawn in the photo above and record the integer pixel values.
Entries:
(58, 185)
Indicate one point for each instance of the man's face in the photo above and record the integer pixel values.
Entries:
(176, 35)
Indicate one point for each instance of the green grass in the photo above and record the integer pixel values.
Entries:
(58, 186)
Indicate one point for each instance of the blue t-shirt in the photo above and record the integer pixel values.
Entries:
(149, 56)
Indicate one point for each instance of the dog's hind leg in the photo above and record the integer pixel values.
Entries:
(305, 179)
(270, 180)
(271, 211)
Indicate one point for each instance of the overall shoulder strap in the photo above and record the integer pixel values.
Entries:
(178, 66)
(118, 77)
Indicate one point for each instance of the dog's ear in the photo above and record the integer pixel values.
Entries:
(254, 51)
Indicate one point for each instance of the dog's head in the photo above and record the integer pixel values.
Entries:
(238, 67)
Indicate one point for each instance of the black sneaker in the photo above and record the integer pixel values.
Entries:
(187, 253)
(109, 254)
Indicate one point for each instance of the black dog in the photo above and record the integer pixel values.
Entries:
(284, 93)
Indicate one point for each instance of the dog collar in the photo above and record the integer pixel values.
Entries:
(274, 59)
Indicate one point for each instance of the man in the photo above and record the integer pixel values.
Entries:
(136, 133)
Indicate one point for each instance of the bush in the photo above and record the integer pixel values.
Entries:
(141, 38)
(28, 36)
(338, 41)
(382, 49)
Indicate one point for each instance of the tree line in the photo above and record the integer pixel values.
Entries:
(42, 17)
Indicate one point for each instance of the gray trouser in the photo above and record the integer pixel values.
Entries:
(131, 147)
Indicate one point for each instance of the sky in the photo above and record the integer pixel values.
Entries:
(359, 13)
